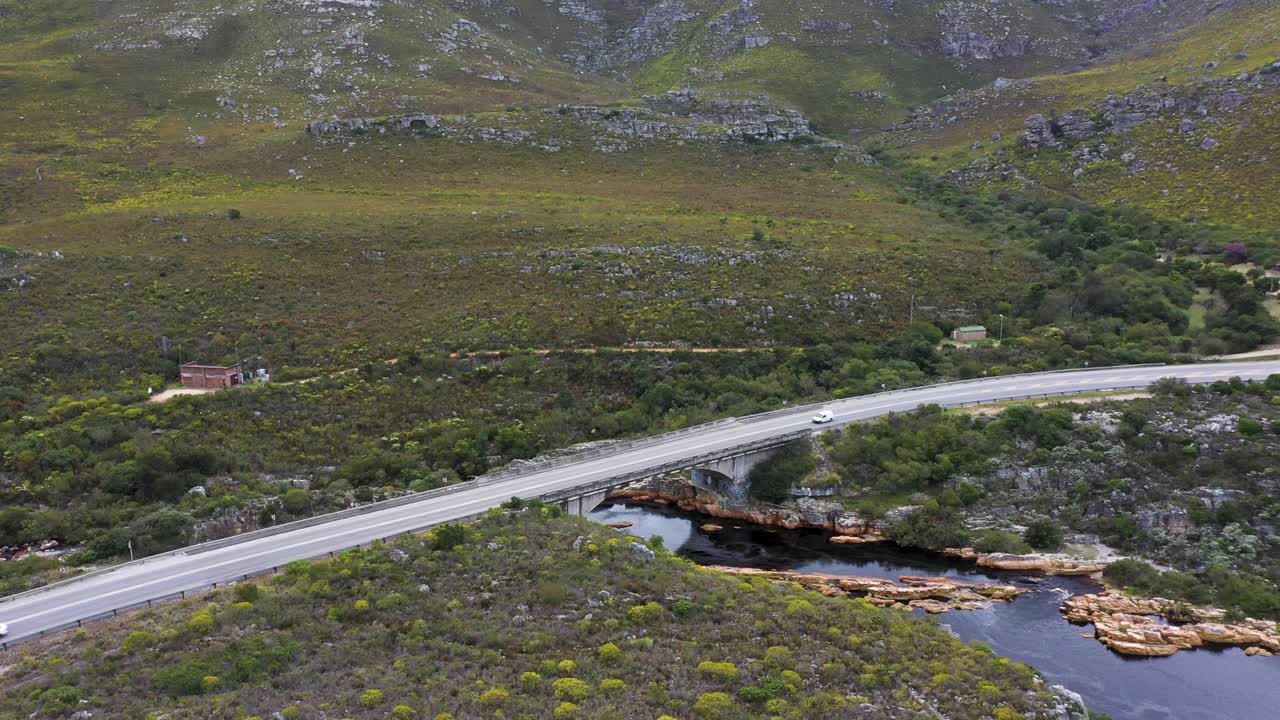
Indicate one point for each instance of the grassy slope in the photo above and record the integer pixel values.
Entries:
(319, 638)
(396, 240)
(1229, 185)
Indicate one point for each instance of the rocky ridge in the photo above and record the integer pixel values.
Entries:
(678, 117)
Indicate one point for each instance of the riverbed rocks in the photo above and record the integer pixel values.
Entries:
(1037, 563)
(930, 594)
(1145, 626)
(1047, 564)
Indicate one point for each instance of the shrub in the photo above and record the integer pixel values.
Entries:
(767, 689)
(446, 537)
(185, 678)
(530, 681)
(681, 608)
(799, 607)
(201, 623)
(64, 696)
(493, 697)
(969, 493)
(932, 528)
(995, 541)
(233, 214)
(1004, 712)
(247, 592)
(138, 640)
(392, 600)
(570, 689)
(779, 656)
(565, 711)
(1126, 573)
(567, 667)
(403, 711)
(609, 652)
(371, 697)
(713, 705)
(209, 683)
(610, 686)
(723, 672)
(646, 614)
(1249, 427)
(1043, 535)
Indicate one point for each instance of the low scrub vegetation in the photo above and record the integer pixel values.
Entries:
(469, 636)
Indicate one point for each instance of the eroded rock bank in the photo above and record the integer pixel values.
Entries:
(1047, 564)
(809, 513)
(849, 527)
(931, 594)
(1156, 627)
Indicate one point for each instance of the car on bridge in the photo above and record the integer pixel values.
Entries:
(823, 417)
(4, 629)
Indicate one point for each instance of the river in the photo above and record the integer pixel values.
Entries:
(1203, 684)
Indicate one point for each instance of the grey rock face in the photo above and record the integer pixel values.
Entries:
(979, 46)
(1039, 133)
(642, 553)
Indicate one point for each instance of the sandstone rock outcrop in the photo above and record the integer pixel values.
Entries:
(1142, 626)
(1026, 563)
(931, 594)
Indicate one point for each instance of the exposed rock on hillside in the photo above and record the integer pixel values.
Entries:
(674, 116)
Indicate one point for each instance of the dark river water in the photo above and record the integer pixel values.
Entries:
(1218, 684)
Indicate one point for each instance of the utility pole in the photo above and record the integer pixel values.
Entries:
(131, 551)
(911, 317)
(1001, 327)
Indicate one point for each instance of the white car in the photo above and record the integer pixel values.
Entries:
(823, 417)
(4, 629)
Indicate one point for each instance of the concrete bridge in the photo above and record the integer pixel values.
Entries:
(726, 473)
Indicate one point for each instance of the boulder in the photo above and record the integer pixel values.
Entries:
(641, 552)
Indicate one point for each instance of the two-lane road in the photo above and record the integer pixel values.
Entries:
(158, 577)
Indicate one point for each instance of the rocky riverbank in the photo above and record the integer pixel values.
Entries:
(1047, 564)
(931, 594)
(1155, 627)
(849, 527)
(809, 513)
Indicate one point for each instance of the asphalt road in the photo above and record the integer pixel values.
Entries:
(165, 575)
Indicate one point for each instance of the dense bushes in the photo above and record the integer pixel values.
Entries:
(772, 479)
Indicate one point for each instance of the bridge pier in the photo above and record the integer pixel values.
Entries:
(582, 505)
(730, 478)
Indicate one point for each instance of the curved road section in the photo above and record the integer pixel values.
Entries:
(163, 576)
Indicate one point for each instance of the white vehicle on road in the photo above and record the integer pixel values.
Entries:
(4, 629)
(823, 417)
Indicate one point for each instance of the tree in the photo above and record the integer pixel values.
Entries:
(1236, 252)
